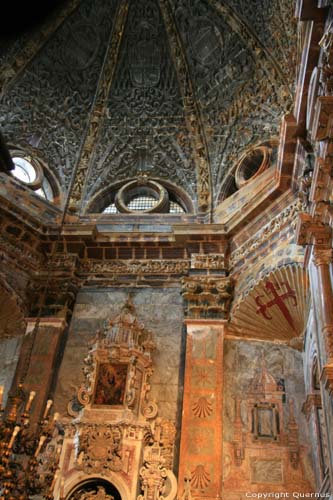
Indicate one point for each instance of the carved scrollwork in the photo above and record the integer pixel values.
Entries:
(99, 448)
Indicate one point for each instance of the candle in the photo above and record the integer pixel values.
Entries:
(40, 444)
(55, 477)
(55, 417)
(12, 439)
(62, 487)
(1, 394)
(30, 400)
(47, 408)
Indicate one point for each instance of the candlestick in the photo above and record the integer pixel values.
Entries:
(56, 475)
(40, 444)
(47, 408)
(30, 400)
(12, 439)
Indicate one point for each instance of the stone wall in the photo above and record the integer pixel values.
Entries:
(159, 309)
(9, 353)
(266, 464)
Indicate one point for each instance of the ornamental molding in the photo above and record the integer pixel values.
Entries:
(207, 296)
(214, 261)
(135, 267)
(288, 215)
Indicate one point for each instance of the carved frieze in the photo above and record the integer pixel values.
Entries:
(135, 267)
(208, 261)
(207, 296)
(287, 216)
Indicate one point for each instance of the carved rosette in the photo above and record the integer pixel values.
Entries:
(207, 296)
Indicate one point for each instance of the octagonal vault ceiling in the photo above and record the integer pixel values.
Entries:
(178, 88)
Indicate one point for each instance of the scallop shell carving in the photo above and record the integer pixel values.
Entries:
(202, 408)
(200, 478)
(275, 308)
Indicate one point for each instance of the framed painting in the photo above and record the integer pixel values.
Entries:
(111, 384)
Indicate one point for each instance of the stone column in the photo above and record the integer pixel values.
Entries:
(200, 472)
(322, 262)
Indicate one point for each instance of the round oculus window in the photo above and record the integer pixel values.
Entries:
(143, 197)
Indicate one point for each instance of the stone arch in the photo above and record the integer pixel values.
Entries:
(112, 483)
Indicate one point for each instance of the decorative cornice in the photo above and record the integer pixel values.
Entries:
(288, 215)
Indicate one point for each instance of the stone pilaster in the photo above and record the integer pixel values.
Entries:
(322, 261)
(37, 366)
(200, 467)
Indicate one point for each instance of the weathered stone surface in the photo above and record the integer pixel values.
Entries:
(160, 310)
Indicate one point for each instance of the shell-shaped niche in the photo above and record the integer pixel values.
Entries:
(276, 308)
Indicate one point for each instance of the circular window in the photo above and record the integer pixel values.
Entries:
(252, 164)
(31, 173)
(24, 171)
(143, 196)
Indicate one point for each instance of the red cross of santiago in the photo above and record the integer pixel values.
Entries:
(277, 300)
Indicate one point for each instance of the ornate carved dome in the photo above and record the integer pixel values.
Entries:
(103, 90)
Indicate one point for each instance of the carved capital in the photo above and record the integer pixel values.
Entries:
(312, 402)
(207, 296)
(312, 232)
(327, 378)
(322, 256)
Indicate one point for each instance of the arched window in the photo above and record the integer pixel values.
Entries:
(142, 196)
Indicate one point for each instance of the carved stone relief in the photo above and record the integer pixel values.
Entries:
(48, 106)
(145, 92)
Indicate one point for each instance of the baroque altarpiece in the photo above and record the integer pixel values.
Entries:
(166, 322)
